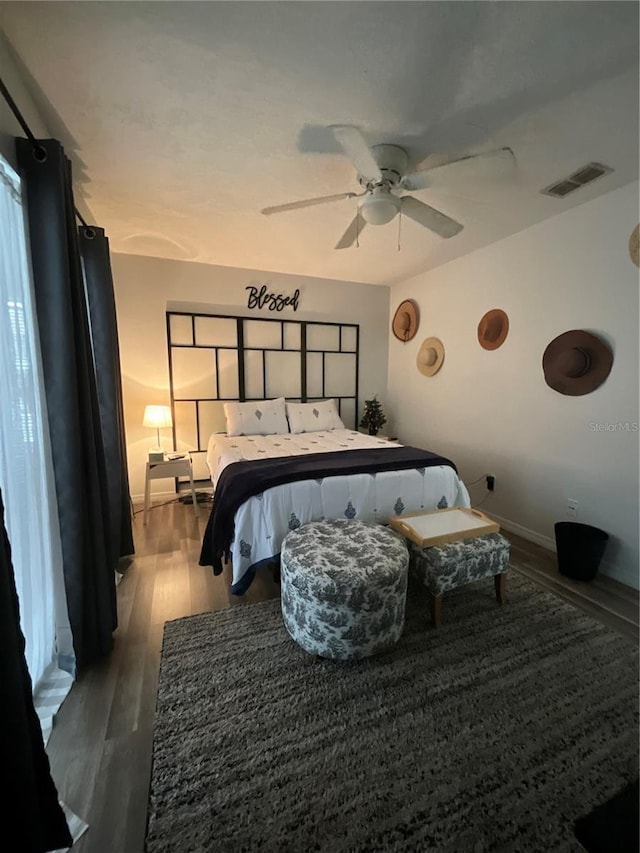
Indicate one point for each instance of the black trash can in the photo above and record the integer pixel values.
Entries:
(580, 549)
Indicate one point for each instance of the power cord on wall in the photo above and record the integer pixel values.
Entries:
(475, 506)
(489, 491)
(473, 482)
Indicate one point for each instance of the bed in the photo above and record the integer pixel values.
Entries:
(268, 484)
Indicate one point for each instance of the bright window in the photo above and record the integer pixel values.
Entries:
(25, 467)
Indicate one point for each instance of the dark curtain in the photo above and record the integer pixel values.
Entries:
(72, 401)
(94, 248)
(30, 799)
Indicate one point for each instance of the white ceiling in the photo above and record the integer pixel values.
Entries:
(186, 119)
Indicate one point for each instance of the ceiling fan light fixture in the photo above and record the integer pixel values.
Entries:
(382, 172)
(379, 206)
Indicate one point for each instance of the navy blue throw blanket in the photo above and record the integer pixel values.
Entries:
(240, 481)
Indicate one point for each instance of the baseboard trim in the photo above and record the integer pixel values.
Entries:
(526, 533)
(617, 573)
(167, 496)
(155, 496)
(611, 570)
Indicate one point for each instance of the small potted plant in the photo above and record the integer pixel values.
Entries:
(373, 416)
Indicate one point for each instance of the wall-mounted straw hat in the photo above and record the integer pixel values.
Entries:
(493, 329)
(576, 363)
(406, 320)
(430, 356)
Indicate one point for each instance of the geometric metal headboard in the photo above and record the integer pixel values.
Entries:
(215, 358)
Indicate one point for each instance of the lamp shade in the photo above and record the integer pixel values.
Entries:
(157, 417)
(379, 206)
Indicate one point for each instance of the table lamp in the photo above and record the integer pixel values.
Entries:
(157, 417)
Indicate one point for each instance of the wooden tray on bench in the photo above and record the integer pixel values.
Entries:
(439, 526)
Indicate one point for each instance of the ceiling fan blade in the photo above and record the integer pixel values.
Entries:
(491, 165)
(351, 234)
(431, 218)
(309, 202)
(355, 147)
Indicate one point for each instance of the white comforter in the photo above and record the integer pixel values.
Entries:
(222, 450)
(263, 521)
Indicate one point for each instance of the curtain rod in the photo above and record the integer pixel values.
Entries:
(23, 124)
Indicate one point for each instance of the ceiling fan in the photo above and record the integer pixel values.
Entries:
(382, 175)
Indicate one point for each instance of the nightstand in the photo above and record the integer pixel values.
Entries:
(169, 468)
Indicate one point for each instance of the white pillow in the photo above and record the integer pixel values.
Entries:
(313, 417)
(257, 417)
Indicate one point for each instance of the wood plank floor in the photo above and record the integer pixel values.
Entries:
(100, 747)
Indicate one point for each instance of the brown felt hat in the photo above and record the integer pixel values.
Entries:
(430, 356)
(493, 329)
(576, 363)
(634, 246)
(406, 320)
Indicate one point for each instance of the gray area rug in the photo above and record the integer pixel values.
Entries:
(493, 732)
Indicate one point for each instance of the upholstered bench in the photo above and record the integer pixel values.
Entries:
(454, 564)
(344, 587)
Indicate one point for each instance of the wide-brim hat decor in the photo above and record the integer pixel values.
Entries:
(430, 356)
(576, 363)
(406, 320)
(493, 329)
(634, 246)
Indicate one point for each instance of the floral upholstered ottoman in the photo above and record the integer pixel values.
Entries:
(344, 587)
(454, 564)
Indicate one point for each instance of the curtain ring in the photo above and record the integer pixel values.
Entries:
(89, 232)
(40, 154)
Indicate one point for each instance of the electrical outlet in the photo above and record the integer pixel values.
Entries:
(491, 482)
(572, 508)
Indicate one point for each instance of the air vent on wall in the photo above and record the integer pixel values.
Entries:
(578, 179)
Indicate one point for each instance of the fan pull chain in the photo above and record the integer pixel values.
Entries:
(399, 227)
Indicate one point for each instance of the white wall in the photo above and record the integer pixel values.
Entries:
(146, 288)
(9, 126)
(492, 412)
(41, 119)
